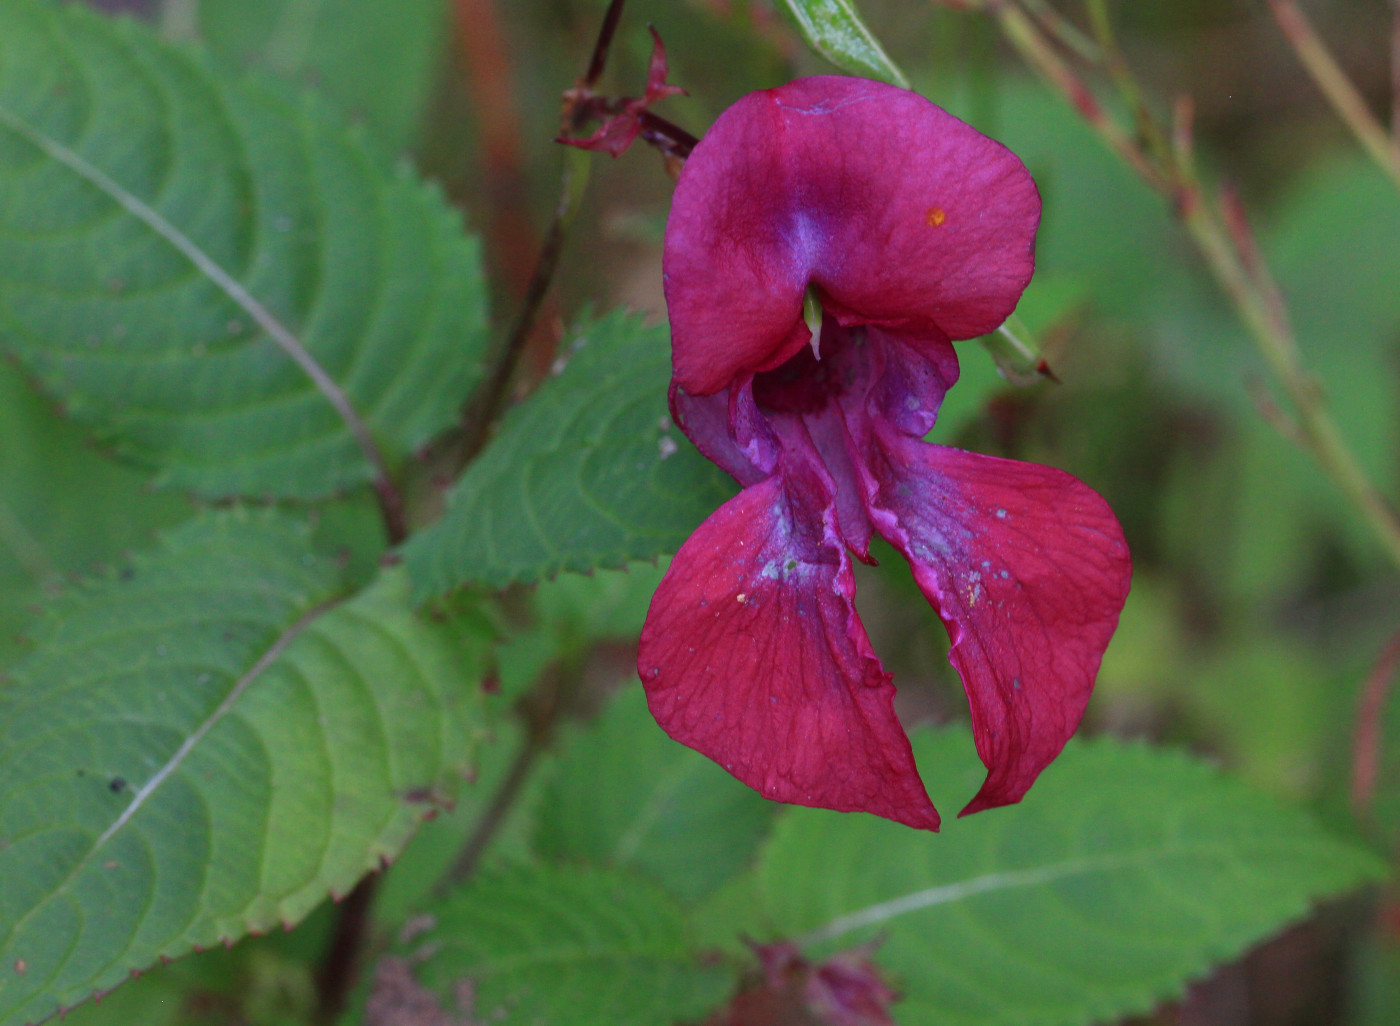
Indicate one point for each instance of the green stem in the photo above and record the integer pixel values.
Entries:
(1275, 342)
(1341, 93)
(1230, 256)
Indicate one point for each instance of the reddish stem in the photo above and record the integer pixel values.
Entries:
(340, 967)
(484, 60)
(1395, 78)
(1370, 713)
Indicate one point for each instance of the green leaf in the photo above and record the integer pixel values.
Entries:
(208, 744)
(1126, 872)
(410, 884)
(556, 946)
(625, 794)
(589, 472)
(63, 507)
(375, 59)
(833, 29)
(215, 276)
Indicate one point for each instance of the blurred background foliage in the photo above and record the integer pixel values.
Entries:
(1260, 603)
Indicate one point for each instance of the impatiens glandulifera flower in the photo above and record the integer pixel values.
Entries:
(911, 229)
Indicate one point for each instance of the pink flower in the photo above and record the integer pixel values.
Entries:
(912, 229)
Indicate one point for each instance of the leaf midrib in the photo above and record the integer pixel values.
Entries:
(214, 272)
(988, 883)
(138, 801)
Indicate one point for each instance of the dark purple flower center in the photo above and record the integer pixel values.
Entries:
(806, 383)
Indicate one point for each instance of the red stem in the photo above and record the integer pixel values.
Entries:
(1370, 714)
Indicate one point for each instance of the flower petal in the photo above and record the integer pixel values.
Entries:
(898, 212)
(729, 431)
(1028, 569)
(753, 655)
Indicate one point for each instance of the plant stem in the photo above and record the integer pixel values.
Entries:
(481, 414)
(1395, 77)
(1341, 93)
(540, 710)
(1370, 710)
(1225, 243)
(1263, 316)
(495, 815)
(340, 966)
(1121, 74)
(485, 66)
(1064, 31)
(496, 394)
(1036, 50)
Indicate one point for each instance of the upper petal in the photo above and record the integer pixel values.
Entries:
(898, 212)
(753, 654)
(1028, 569)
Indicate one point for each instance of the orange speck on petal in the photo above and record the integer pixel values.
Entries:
(935, 216)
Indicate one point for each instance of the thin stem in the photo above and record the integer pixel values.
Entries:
(344, 957)
(479, 417)
(1395, 78)
(540, 712)
(486, 69)
(603, 44)
(1124, 82)
(1366, 743)
(1341, 93)
(495, 814)
(1275, 341)
(1064, 31)
(1224, 241)
(1040, 55)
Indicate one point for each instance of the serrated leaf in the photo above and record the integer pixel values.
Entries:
(375, 59)
(216, 276)
(206, 746)
(588, 472)
(834, 29)
(556, 946)
(1126, 872)
(625, 794)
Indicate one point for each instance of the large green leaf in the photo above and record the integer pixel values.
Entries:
(375, 59)
(207, 745)
(1126, 872)
(625, 794)
(555, 946)
(216, 276)
(589, 472)
(63, 507)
